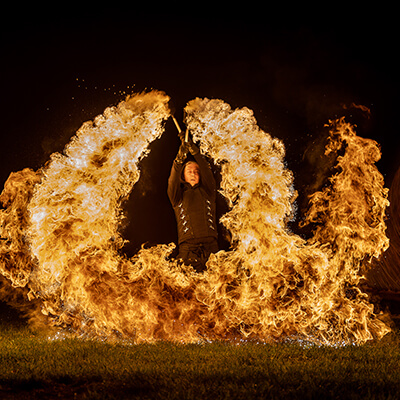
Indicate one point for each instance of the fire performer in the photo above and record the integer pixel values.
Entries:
(192, 192)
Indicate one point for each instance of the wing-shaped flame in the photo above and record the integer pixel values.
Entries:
(272, 285)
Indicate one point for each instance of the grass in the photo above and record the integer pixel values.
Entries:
(33, 367)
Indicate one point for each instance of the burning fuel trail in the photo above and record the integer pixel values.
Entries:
(61, 240)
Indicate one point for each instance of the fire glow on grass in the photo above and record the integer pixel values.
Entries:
(61, 243)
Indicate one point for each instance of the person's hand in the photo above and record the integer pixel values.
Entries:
(191, 146)
(182, 153)
(181, 135)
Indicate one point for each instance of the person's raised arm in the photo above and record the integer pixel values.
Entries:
(174, 180)
(207, 177)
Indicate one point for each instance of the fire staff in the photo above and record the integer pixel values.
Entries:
(192, 192)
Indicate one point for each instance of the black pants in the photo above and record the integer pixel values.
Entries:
(195, 252)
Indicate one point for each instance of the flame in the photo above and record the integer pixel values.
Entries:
(272, 285)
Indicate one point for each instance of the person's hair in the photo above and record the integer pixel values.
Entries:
(190, 162)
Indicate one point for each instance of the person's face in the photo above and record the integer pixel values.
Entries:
(192, 174)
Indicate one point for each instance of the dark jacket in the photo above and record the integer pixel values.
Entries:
(194, 206)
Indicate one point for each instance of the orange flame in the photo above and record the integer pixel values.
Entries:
(272, 284)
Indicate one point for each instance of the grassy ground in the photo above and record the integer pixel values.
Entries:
(34, 367)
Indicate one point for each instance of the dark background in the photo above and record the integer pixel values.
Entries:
(295, 68)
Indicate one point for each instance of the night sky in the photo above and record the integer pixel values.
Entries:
(62, 68)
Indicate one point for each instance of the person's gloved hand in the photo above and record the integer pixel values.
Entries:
(182, 153)
(192, 147)
(190, 144)
(181, 135)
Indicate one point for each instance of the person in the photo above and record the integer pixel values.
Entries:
(192, 192)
